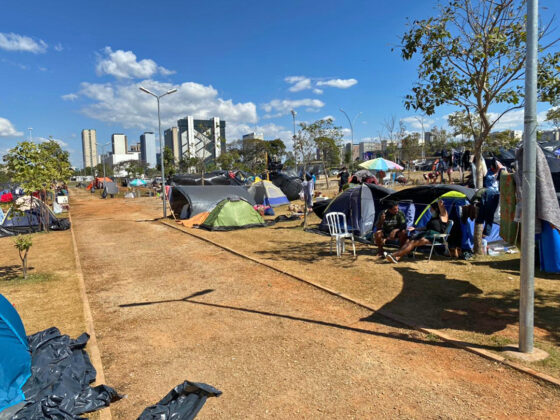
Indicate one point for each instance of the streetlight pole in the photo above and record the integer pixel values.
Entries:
(103, 146)
(351, 122)
(420, 119)
(294, 137)
(161, 151)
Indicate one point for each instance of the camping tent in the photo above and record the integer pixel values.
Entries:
(425, 194)
(265, 192)
(289, 184)
(188, 201)
(110, 188)
(232, 214)
(15, 359)
(26, 217)
(357, 204)
(378, 193)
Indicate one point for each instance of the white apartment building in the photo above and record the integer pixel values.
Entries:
(89, 148)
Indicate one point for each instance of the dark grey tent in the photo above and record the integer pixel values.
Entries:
(357, 204)
(110, 188)
(188, 201)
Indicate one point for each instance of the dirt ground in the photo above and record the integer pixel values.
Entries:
(277, 348)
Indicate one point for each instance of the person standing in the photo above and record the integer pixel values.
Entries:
(343, 175)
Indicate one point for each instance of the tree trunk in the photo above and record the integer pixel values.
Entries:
(478, 228)
(25, 266)
(326, 174)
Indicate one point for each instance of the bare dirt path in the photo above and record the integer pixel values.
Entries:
(277, 348)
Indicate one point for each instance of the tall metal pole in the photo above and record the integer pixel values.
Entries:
(161, 162)
(143, 89)
(526, 301)
(294, 137)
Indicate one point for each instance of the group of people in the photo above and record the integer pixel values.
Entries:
(392, 226)
(447, 161)
(347, 181)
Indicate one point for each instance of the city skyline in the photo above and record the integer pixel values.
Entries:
(265, 61)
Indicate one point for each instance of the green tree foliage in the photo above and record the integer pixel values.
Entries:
(410, 146)
(23, 243)
(553, 116)
(472, 56)
(503, 139)
(170, 167)
(229, 160)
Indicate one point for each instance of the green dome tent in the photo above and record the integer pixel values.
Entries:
(232, 214)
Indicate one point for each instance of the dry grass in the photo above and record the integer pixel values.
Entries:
(50, 296)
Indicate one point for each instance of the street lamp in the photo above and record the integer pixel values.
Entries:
(143, 89)
(351, 122)
(294, 113)
(103, 146)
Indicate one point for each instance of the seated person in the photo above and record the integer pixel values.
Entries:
(391, 225)
(436, 225)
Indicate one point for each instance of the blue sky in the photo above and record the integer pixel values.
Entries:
(70, 65)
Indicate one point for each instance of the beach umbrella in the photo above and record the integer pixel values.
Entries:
(137, 183)
(380, 164)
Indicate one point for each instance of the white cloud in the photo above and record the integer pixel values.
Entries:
(43, 69)
(327, 117)
(270, 131)
(58, 47)
(44, 140)
(124, 65)
(415, 123)
(7, 129)
(513, 120)
(70, 97)
(15, 42)
(338, 83)
(298, 83)
(284, 106)
(318, 91)
(127, 106)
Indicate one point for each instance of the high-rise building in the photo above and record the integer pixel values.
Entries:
(368, 149)
(89, 148)
(203, 139)
(120, 144)
(148, 148)
(171, 140)
(135, 147)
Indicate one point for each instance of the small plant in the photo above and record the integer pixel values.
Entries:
(23, 243)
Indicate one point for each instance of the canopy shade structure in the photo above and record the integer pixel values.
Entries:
(137, 183)
(380, 164)
(425, 194)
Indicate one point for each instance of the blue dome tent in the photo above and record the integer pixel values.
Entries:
(15, 358)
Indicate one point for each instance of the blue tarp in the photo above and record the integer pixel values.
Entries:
(549, 246)
(15, 358)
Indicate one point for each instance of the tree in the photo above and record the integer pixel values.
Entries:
(170, 167)
(56, 164)
(410, 146)
(472, 56)
(553, 115)
(228, 160)
(501, 140)
(23, 243)
(325, 137)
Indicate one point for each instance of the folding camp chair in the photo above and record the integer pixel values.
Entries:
(338, 229)
(440, 239)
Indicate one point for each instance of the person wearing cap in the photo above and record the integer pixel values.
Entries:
(391, 225)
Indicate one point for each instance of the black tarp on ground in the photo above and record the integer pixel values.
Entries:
(198, 199)
(425, 194)
(182, 403)
(61, 374)
(210, 178)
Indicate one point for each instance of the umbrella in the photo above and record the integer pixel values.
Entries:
(137, 182)
(363, 174)
(380, 164)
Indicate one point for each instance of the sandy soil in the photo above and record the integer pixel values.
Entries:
(276, 347)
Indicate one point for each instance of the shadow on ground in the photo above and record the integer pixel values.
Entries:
(409, 335)
(11, 272)
(437, 301)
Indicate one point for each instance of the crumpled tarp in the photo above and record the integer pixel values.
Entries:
(182, 403)
(61, 374)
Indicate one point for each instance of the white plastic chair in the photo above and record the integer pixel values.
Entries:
(338, 229)
(441, 239)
